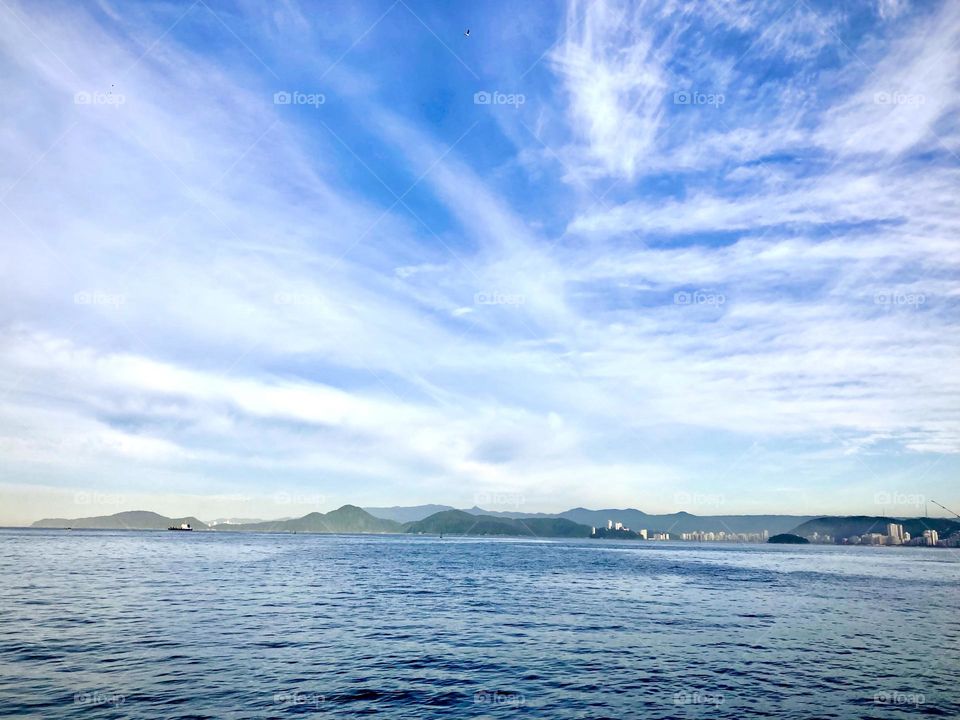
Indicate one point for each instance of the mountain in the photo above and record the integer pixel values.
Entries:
(476, 521)
(348, 519)
(406, 514)
(475, 510)
(685, 522)
(352, 519)
(131, 520)
(460, 522)
(851, 525)
(636, 519)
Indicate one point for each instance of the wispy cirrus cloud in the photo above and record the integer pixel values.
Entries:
(615, 81)
(399, 296)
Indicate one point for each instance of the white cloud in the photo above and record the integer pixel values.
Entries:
(284, 325)
(913, 86)
(615, 81)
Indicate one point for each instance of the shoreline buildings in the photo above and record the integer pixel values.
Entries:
(894, 535)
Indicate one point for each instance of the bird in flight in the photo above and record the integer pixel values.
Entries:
(467, 33)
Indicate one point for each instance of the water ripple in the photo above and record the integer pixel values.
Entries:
(146, 625)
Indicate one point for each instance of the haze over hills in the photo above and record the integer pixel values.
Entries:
(636, 519)
(572, 523)
(406, 514)
(351, 519)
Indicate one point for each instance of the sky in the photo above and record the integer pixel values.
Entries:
(261, 259)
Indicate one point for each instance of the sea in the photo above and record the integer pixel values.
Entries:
(105, 624)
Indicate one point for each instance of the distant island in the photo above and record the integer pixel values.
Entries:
(347, 519)
(576, 523)
(132, 520)
(788, 539)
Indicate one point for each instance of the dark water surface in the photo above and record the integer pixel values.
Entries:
(223, 625)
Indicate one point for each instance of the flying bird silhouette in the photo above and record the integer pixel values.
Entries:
(467, 33)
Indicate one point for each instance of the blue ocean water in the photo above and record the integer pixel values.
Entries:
(100, 624)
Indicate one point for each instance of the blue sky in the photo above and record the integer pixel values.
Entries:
(266, 258)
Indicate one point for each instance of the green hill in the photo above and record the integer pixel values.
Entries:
(788, 539)
(458, 522)
(851, 525)
(347, 519)
(351, 518)
(131, 520)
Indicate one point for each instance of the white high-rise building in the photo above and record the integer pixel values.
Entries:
(643, 533)
(894, 534)
(932, 537)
